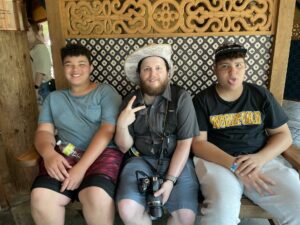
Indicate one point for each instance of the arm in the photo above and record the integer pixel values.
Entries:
(123, 138)
(178, 161)
(38, 78)
(210, 152)
(99, 142)
(279, 140)
(55, 164)
(44, 139)
(179, 158)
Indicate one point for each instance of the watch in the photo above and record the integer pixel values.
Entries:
(171, 178)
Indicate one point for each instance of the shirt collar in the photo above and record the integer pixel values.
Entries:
(167, 93)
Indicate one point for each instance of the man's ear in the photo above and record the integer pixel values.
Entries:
(91, 67)
(215, 68)
(138, 77)
(168, 74)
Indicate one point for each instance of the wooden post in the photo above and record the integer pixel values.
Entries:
(281, 48)
(18, 107)
(57, 40)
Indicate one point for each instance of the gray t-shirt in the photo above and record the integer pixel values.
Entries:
(149, 126)
(78, 118)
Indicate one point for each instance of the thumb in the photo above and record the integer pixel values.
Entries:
(158, 193)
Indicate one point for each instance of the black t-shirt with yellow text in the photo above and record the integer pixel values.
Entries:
(238, 127)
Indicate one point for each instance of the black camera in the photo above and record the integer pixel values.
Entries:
(149, 185)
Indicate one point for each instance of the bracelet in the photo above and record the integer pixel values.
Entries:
(171, 178)
(234, 166)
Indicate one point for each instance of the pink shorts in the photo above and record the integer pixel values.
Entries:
(107, 164)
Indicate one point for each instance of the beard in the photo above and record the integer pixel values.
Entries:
(154, 91)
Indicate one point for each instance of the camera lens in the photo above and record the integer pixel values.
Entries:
(155, 206)
(156, 212)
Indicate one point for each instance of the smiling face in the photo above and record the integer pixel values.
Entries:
(153, 76)
(230, 74)
(77, 70)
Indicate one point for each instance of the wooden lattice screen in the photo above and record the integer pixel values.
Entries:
(113, 29)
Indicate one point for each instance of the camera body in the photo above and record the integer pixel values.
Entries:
(149, 185)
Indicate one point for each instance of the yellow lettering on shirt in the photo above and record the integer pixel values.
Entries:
(235, 119)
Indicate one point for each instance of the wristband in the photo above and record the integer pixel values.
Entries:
(234, 167)
(171, 178)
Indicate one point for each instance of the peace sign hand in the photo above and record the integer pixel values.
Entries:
(127, 116)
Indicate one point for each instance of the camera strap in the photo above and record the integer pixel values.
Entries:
(169, 127)
(170, 123)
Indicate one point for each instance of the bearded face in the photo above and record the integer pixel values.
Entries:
(153, 76)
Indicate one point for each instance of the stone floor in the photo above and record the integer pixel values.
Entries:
(19, 214)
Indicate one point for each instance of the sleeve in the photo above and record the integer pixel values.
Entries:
(275, 115)
(187, 126)
(110, 104)
(46, 113)
(202, 117)
(42, 61)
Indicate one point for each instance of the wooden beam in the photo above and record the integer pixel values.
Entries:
(281, 48)
(57, 40)
(18, 106)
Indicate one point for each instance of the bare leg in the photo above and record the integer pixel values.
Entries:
(132, 213)
(97, 206)
(48, 207)
(182, 217)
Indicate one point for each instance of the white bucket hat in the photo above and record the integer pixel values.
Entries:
(131, 62)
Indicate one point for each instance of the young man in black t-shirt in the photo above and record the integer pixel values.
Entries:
(242, 131)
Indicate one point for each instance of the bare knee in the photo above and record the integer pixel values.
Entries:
(97, 206)
(44, 197)
(183, 217)
(95, 198)
(39, 200)
(130, 210)
(47, 206)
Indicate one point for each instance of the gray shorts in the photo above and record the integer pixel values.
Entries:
(183, 196)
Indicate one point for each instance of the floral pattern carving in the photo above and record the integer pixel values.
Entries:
(164, 17)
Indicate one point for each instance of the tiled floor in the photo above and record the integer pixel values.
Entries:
(20, 214)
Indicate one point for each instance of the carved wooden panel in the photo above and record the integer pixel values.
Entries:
(115, 18)
(296, 31)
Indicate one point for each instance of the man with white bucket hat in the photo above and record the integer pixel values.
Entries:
(155, 128)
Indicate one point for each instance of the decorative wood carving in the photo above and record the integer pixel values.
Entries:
(296, 31)
(164, 17)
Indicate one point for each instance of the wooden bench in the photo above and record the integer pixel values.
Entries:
(248, 208)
